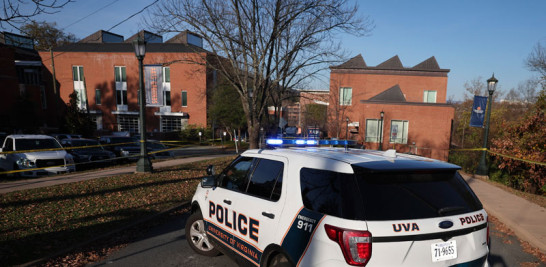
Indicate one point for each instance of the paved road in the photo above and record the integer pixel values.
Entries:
(166, 245)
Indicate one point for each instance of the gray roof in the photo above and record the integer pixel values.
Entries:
(392, 63)
(128, 47)
(393, 94)
(354, 63)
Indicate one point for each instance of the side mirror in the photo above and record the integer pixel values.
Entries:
(210, 170)
(208, 182)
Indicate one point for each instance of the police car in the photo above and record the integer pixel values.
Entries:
(324, 206)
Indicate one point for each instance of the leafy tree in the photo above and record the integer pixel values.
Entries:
(226, 109)
(20, 11)
(525, 139)
(77, 121)
(46, 35)
(264, 47)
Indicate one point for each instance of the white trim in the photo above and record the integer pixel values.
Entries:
(97, 111)
(27, 63)
(125, 112)
(177, 114)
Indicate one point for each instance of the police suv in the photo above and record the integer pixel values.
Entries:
(338, 207)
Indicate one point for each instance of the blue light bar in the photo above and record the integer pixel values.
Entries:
(309, 142)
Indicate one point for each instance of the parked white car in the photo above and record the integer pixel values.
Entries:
(38, 155)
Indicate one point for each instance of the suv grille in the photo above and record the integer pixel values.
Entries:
(42, 163)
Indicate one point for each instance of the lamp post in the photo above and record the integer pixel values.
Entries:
(381, 130)
(491, 85)
(144, 164)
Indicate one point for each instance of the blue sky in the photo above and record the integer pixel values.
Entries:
(472, 38)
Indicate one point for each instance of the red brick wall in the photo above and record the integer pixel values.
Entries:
(99, 74)
(429, 124)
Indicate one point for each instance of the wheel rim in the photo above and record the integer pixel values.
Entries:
(198, 236)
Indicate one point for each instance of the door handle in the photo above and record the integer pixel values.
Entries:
(268, 215)
(227, 201)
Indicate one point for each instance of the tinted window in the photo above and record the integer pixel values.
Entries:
(31, 144)
(399, 196)
(235, 176)
(330, 193)
(264, 178)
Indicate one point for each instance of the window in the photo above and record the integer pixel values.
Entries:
(79, 86)
(97, 97)
(399, 132)
(167, 74)
(266, 180)
(121, 87)
(184, 98)
(429, 96)
(373, 130)
(419, 195)
(330, 193)
(171, 123)
(29, 75)
(97, 121)
(167, 86)
(120, 74)
(235, 176)
(345, 96)
(128, 123)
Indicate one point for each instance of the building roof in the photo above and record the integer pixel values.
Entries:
(128, 47)
(393, 63)
(393, 94)
(102, 36)
(354, 63)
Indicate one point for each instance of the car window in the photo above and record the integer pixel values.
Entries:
(31, 144)
(264, 179)
(234, 177)
(9, 145)
(330, 193)
(403, 195)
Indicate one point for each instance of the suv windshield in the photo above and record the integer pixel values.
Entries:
(387, 196)
(32, 144)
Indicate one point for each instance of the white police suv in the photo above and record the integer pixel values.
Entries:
(337, 207)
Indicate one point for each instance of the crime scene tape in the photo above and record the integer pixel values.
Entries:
(502, 155)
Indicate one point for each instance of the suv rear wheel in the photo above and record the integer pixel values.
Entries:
(279, 259)
(197, 236)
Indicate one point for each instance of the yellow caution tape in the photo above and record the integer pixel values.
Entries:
(499, 154)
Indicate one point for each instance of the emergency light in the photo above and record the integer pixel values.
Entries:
(309, 142)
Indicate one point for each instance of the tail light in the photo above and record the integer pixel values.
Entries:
(355, 245)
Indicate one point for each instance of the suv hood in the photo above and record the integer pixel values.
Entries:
(44, 155)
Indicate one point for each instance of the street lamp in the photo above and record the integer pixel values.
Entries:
(144, 164)
(382, 114)
(491, 85)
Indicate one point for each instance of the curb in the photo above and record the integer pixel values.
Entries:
(133, 224)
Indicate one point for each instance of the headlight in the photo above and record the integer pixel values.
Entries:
(69, 159)
(26, 163)
(124, 153)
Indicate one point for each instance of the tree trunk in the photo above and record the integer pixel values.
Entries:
(254, 135)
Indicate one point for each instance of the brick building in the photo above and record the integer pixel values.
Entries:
(23, 105)
(416, 118)
(103, 70)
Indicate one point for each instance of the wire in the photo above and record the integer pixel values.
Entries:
(93, 13)
(142, 10)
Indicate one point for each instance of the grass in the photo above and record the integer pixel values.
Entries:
(39, 222)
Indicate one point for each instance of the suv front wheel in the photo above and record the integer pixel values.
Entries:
(197, 236)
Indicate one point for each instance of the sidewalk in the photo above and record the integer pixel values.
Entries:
(76, 177)
(526, 219)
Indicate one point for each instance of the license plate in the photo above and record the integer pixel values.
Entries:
(444, 251)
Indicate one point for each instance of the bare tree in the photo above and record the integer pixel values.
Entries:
(16, 12)
(478, 86)
(264, 47)
(536, 61)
